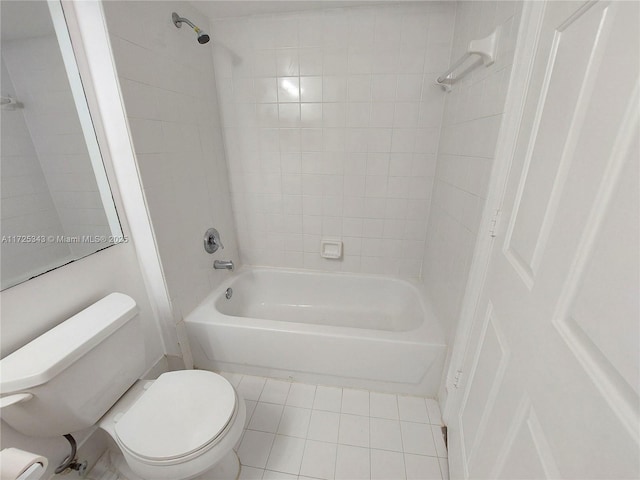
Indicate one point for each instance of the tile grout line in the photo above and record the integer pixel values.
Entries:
(337, 443)
(404, 455)
(338, 435)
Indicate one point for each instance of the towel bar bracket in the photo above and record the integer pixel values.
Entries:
(485, 48)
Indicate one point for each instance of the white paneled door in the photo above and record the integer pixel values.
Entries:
(550, 380)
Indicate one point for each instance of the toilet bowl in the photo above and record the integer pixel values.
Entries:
(85, 372)
(179, 426)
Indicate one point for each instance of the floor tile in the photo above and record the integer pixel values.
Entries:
(275, 391)
(271, 475)
(420, 467)
(417, 438)
(324, 426)
(255, 447)
(383, 405)
(352, 463)
(234, 378)
(319, 460)
(301, 395)
(328, 398)
(387, 465)
(297, 431)
(435, 418)
(294, 422)
(355, 402)
(441, 448)
(250, 406)
(354, 430)
(385, 434)
(250, 473)
(251, 387)
(286, 454)
(266, 417)
(412, 409)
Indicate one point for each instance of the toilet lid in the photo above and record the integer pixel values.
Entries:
(180, 413)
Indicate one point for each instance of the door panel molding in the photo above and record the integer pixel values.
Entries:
(525, 259)
(586, 90)
(620, 396)
(525, 422)
(497, 379)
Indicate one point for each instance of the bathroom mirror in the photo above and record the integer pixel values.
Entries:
(56, 206)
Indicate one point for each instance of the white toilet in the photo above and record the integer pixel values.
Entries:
(85, 371)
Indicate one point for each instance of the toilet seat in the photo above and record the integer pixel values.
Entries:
(180, 416)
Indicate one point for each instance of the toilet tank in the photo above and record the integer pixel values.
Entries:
(67, 378)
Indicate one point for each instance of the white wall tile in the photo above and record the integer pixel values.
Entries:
(345, 87)
(311, 89)
(288, 89)
(171, 100)
(469, 131)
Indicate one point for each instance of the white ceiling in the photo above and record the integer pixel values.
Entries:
(237, 8)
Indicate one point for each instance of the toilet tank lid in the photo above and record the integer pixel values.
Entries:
(55, 350)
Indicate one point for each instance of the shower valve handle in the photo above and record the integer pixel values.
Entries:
(212, 241)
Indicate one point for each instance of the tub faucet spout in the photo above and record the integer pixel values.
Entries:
(223, 264)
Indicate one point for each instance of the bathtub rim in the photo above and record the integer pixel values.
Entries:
(430, 330)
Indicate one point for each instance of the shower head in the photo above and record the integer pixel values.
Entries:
(178, 21)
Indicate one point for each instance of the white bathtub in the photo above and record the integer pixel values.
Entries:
(333, 329)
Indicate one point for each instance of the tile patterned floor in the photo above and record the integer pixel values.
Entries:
(296, 431)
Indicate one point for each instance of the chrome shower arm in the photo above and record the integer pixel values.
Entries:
(178, 20)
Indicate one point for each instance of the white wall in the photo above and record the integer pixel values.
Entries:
(27, 207)
(472, 115)
(331, 123)
(169, 90)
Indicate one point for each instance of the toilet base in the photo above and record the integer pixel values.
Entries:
(226, 469)
(113, 466)
(215, 458)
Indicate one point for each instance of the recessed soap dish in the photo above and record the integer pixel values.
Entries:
(330, 248)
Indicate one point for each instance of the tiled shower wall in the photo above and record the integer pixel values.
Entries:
(169, 91)
(331, 123)
(470, 127)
